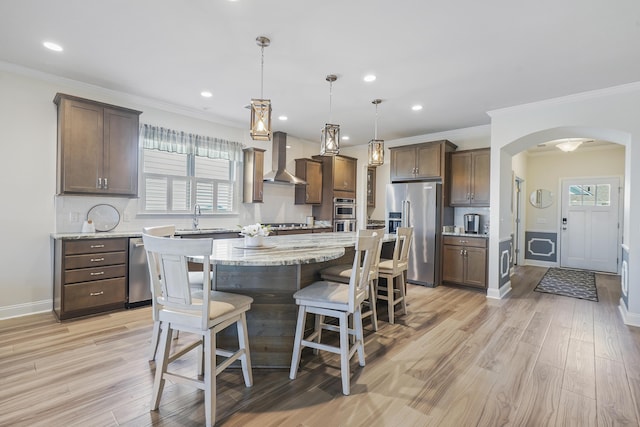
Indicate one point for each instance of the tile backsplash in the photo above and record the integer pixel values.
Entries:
(458, 217)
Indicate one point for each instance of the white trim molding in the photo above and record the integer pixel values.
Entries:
(499, 293)
(19, 310)
(537, 263)
(631, 319)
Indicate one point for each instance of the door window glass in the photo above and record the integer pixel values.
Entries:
(590, 195)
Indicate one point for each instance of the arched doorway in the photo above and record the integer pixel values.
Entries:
(551, 240)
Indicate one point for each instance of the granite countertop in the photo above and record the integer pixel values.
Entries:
(451, 233)
(179, 232)
(284, 250)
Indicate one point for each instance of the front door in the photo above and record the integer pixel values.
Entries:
(590, 232)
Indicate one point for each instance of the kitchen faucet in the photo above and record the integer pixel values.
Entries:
(196, 214)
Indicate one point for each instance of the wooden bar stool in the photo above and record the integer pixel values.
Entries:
(342, 273)
(205, 316)
(325, 298)
(393, 271)
(195, 282)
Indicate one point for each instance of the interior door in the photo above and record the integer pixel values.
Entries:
(590, 232)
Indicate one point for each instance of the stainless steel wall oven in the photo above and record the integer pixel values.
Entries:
(344, 208)
(344, 214)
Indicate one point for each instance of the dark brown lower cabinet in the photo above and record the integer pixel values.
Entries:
(90, 276)
(464, 261)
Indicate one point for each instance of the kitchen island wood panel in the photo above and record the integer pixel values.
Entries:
(271, 277)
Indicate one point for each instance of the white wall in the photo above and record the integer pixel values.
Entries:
(546, 170)
(31, 211)
(609, 114)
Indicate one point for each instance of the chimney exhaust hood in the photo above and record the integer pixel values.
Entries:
(278, 173)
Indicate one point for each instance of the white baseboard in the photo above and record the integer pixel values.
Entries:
(631, 319)
(537, 263)
(499, 293)
(19, 310)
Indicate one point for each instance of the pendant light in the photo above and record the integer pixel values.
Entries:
(569, 144)
(261, 108)
(330, 138)
(376, 146)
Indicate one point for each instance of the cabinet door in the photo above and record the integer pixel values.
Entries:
(258, 176)
(460, 179)
(452, 264)
(371, 187)
(476, 268)
(344, 174)
(253, 175)
(80, 128)
(120, 161)
(403, 163)
(428, 161)
(310, 171)
(481, 168)
(314, 182)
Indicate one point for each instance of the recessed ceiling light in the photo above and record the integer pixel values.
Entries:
(369, 78)
(206, 94)
(345, 137)
(416, 107)
(283, 118)
(52, 46)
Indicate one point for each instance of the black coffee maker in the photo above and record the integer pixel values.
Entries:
(472, 223)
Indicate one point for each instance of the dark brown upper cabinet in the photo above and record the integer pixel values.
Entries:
(97, 148)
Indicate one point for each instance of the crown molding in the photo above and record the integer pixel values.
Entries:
(133, 99)
(482, 131)
(577, 97)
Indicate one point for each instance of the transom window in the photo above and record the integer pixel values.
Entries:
(590, 195)
(178, 173)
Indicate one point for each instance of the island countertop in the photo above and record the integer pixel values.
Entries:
(271, 275)
(284, 250)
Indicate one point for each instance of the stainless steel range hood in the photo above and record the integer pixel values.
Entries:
(279, 174)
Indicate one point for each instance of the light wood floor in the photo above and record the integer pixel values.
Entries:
(457, 359)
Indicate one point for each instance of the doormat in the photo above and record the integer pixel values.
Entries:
(570, 283)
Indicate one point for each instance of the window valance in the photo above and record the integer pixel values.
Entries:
(173, 141)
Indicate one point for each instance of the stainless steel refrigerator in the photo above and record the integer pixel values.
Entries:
(418, 205)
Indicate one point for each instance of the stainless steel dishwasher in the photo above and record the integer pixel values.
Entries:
(139, 291)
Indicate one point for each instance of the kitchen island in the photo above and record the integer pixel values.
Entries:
(271, 275)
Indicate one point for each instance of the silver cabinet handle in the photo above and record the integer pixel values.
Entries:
(99, 183)
(97, 259)
(95, 294)
(97, 246)
(106, 183)
(99, 273)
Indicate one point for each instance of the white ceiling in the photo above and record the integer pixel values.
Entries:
(459, 58)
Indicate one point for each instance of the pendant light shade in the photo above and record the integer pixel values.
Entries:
(261, 119)
(261, 108)
(376, 146)
(330, 137)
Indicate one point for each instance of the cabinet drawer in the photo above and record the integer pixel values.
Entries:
(94, 260)
(91, 246)
(97, 273)
(476, 242)
(81, 296)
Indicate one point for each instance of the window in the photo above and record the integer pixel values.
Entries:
(590, 195)
(181, 170)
